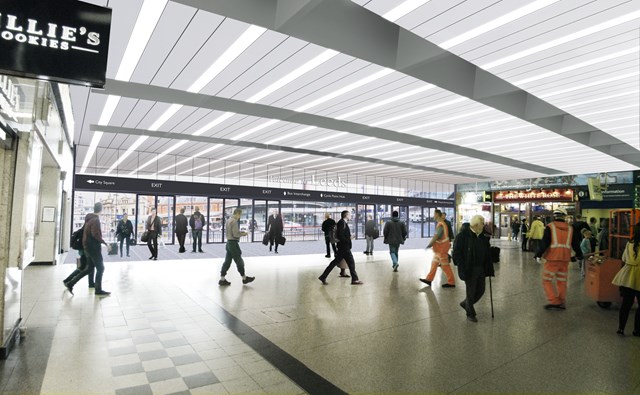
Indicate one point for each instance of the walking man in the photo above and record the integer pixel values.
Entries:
(327, 228)
(92, 243)
(556, 245)
(124, 230)
(197, 223)
(370, 229)
(181, 229)
(395, 233)
(233, 250)
(344, 250)
(472, 256)
(440, 244)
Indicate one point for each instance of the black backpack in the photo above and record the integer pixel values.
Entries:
(76, 239)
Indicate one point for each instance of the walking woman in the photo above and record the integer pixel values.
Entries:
(154, 229)
(628, 279)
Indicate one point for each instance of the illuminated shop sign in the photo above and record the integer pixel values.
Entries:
(328, 182)
(535, 195)
(64, 40)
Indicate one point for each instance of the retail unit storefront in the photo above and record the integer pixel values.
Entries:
(303, 211)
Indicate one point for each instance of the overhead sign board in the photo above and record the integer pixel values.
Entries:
(534, 195)
(64, 40)
(162, 187)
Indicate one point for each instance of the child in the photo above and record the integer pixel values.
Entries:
(585, 247)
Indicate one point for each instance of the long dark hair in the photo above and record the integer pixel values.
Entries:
(636, 239)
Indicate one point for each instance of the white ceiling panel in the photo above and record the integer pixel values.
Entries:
(580, 76)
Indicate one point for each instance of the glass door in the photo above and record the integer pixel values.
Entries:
(166, 213)
(228, 206)
(145, 203)
(216, 219)
(363, 211)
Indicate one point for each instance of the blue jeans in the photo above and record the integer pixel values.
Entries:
(393, 251)
(369, 243)
(197, 239)
(94, 261)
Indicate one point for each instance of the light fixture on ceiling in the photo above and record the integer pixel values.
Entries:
(389, 100)
(341, 146)
(421, 111)
(145, 24)
(590, 84)
(445, 120)
(564, 39)
(607, 110)
(572, 67)
(403, 9)
(597, 99)
(321, 140)
(496, 23)
(292, 134)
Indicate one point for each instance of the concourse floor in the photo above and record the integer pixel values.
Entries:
(169, 328)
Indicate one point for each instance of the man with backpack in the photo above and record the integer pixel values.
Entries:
(197, 224)
(76, 244)
(92, 244)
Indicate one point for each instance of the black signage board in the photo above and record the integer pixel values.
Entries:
(161, 187)
(63, 40)
(613, 192)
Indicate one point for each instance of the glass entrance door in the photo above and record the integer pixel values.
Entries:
(166, 213)
(261, 211)
(362, 215)
(216, 219)
(144, 205)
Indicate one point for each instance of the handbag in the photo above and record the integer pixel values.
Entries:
(281, 240)
(145, 237)
(265, 239)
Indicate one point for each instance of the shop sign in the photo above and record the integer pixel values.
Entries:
(64, 40)
(534, 195)
(328, 182)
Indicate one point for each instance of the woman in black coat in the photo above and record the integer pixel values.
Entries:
(275, 228)
(471, 253)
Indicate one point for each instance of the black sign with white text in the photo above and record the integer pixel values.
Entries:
(161, 187)
(63, 40)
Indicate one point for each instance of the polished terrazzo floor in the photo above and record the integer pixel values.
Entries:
(169, 328)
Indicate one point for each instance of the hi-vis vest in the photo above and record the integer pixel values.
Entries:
(442, 245)
(560, 247)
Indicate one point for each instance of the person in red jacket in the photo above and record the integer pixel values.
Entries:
(555, 249)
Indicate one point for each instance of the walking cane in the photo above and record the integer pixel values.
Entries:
(491, 296)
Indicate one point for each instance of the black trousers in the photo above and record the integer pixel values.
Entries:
(122, 240)
(84, 264)
(152, 243)
(476, 285)
(327, 241)
(94, 262)
(524, 242)
(181, 237)
(340, 255)
(628, 295)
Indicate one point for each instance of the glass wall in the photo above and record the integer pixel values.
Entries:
(114, 205)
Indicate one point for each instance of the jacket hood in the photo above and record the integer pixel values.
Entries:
(395, 219)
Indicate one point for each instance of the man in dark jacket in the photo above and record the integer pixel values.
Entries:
(344, 250)
(472, 256)
(395, 233)
(181, 230)
(327, 228)
(92, 243)
(275, 227)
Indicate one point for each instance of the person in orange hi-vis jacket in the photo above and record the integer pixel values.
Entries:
(556, 245)
(440, 243)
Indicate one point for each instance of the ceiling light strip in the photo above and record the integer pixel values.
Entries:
(589, 62)
(386, 101)
(590, 84)
(496, 23)
(564, 39)
(148, 18)
(601, 98)
(403, 9)
(421, 111)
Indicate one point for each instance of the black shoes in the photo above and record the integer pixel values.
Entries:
(200, 251)
(103, 293)
(223, 282)
(395, 268)
(463, 305)
(248, 279)
(448, 285)
(472, 318)
(636, 333)
(155, 258)
(324, 282)
(69, 288)
(343, 275)
(358, 282)
(426, 281)
(620, 332)
(550, 306)
(151, 257)
(327, 256)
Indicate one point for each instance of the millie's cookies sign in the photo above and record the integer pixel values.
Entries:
(64, 40)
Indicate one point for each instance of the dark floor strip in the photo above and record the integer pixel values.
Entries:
(298, 372)
(24, 369)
